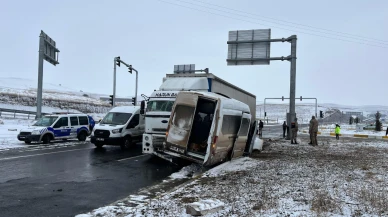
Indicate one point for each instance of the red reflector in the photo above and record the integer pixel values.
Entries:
(215, 139)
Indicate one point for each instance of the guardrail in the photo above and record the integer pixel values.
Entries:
(15, 111)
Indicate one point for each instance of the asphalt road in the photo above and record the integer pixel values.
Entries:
(65, 181)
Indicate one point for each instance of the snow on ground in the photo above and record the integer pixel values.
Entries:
(340, 178)
(187, 171)
(9, 131)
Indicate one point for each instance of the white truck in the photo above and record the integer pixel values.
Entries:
(160, 103)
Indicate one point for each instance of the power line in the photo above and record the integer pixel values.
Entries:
(322, 36)
(357, 38)
(298, 24)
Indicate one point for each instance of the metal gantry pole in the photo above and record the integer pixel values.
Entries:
(136, 86)
(40, 78)
(292, 84)
(114, 82)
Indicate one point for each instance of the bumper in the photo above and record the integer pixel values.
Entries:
(29, 138)
(106, 141)
(153, 143)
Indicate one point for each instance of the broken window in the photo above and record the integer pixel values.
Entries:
(230, 124)
(244, 127)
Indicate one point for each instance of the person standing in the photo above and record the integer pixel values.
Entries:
(294, 131)
(313, 129)
(386, 133)
(284, 129)
(261, 125)
(337, 131)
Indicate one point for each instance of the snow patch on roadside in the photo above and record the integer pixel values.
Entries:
(231, 166)
(186, 172)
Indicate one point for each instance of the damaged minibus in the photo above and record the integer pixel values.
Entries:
(208, 128)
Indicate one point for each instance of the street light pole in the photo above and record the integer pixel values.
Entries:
(114, 82)
(292, 83)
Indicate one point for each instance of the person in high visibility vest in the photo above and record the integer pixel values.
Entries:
(337, 131)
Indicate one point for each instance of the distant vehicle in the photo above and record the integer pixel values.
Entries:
(208, 128)
(160, 103)
(122, 126)
(371, 127)
(57, 126)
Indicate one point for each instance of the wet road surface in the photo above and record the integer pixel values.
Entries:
(66, 181)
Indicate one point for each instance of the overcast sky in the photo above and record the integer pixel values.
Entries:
(154, 35)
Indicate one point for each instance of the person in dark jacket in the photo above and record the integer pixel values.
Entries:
(261, 125)
(91, 123)
(284, 129)
(386, 134)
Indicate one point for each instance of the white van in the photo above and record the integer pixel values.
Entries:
(208, 128)
(122, 126)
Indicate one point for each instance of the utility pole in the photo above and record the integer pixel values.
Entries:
(292, 83)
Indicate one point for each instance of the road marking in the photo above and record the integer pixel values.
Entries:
(33, 155)
(131, 157)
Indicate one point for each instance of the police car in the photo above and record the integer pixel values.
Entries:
(58, 126)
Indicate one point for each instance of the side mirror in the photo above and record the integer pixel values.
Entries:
(142, 107)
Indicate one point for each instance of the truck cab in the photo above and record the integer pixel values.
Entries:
(158, 112)
(122, 126)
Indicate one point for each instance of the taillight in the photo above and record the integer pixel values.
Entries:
(213, 149)
(215, 139)
(168, 128)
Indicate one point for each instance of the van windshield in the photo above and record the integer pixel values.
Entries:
(160, 105)
(116, 118)
(46, 121)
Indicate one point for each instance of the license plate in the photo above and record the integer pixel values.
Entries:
(177, 149)
(100, 139)
(22, 137)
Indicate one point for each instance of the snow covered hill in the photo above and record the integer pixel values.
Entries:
(19, 93)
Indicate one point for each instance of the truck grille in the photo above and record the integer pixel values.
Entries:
(25, 133)
(159, 130)
(157, 141)
(102, 133)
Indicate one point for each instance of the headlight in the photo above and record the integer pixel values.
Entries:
(117, 130)
(146, 138)
(35, 132)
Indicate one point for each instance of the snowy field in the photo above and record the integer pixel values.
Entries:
(340, 178)
(276, 112)
(9, 129)
(348, 130)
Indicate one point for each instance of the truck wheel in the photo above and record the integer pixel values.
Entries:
(46, 139)
(82, 136)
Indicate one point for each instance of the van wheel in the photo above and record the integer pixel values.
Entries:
(127, 142)
(46, 139)
(98, 145)
(82, 136)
